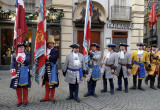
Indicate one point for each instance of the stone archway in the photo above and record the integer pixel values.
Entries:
(98, 13)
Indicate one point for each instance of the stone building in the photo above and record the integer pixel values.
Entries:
(156, 27)
(113, 21)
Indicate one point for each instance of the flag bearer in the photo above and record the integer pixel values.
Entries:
(51, 72)
(94, 70)
(20, 72)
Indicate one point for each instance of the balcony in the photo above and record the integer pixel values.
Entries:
(120, 13)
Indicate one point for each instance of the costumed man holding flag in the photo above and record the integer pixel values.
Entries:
(124, 66)
(51, 72)
(94, 69)
(110, 63)
(73, 70)
(20, 60)
(155, 58)
(21, 74)
(139, 59)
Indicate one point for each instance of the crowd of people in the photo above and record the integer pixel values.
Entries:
(142, 63)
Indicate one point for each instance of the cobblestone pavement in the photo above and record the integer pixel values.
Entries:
(134, 100)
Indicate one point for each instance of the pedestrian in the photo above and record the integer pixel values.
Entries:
(73, 70)
(109, 66)
(139, 59)
(50, 79)
(20, 72)
(94, 73)
(124, 66)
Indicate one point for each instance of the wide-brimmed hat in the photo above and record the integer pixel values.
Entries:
(123, 44)
(95, 44)
(140, 44)
(21, 44)
(75, 46)
(50, 39)
(111, 45)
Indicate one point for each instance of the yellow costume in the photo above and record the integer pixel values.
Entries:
(135, 57)
(155, 62)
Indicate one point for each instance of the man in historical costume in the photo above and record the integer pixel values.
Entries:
(73, 70)
(139, 58)
(124, 66)
(94, 73)
(51, 72)
(155, 60)
(158, 85)
(110, 63)
(21, 74)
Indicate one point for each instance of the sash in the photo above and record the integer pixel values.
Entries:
(96, 75)
(142, 70)
(80, 73)
(53, 77)
(23, 78)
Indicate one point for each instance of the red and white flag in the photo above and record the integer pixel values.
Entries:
(20, 26)
(40, 43)
(87, 31)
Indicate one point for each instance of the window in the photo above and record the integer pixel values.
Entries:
(29, 6)
(119, 37)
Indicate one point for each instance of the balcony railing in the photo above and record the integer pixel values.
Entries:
(121, 13)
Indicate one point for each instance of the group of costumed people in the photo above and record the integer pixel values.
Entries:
(139, 63)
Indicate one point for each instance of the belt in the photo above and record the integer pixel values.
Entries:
(122, 64)
(109, 65)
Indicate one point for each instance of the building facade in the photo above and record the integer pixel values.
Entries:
(148, 36)
(113, 21)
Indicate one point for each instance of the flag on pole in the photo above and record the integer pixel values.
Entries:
(152, 16)
(40, 43)
(20, 26)
(87, 31)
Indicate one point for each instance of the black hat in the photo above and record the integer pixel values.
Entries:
(95, 44)
(111, 45)
(75, 46)
(123, 44)
(154, 45)
(140, 44)
(21, 44)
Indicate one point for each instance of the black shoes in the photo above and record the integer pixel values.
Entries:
(53, 101)
(126, 90)
(140, 88)
(77, 100)
(19, 104)
(112, 92)
(95, 95)
(86, 95)
(25, 104)
(43, 100)
(69, 98)
(153, 87)
(133, 87)
(119, 89)
(103, 91)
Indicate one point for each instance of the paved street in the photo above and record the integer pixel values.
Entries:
(134, 100)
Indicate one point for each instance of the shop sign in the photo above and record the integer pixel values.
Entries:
(4, 17)
(119, 26)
